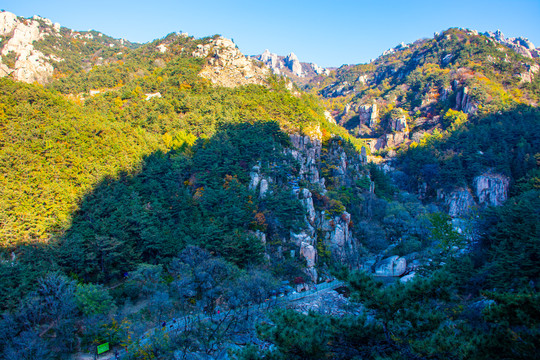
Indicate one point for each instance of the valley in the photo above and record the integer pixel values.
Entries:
(182, 179)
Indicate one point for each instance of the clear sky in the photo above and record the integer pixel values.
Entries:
(329, 33)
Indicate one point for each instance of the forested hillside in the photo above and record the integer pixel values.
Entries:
(173, 198)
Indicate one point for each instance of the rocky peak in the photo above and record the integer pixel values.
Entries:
(8, 21)
(290, 65)
(520, 44)
(292, 62)
(227, 66)
(29, 65)
(271, 60)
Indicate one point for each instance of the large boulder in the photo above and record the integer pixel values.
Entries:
(392, 266)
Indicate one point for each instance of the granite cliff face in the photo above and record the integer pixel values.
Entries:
(491, 189)
(487, 189)
(323, 230)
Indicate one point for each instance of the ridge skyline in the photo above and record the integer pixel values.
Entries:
(352, 33)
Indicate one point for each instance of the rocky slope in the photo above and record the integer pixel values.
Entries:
(406, 93)
(33, 48)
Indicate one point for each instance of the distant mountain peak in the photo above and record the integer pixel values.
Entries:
(519, 44)
(290, 65)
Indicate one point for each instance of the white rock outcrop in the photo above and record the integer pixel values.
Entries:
(8, 21)
(290, 65)
(30, 65)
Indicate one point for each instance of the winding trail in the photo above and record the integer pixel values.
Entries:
(183, 324)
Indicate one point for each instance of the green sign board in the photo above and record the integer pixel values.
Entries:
(102, 348)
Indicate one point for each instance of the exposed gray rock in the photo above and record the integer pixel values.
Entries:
(368, 115)
(162, 48)
(373, 116)
(320, 70)
(491, 189)
(399, 124)
(329, 117)
(362, 79)
(307, 201)
(264, 188)
(302, 237)
(152, 95)
(337, 237)
(363, 155)
(347, 109)
(391, 140)
(408, 277)
(309, 253)
(307, 152)
(528, 75)
(272, 61)
(255, 178)
(290, 65)
(465, 103)
(447, 58)
(261, 236)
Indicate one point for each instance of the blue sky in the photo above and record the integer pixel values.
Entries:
(329, 33)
